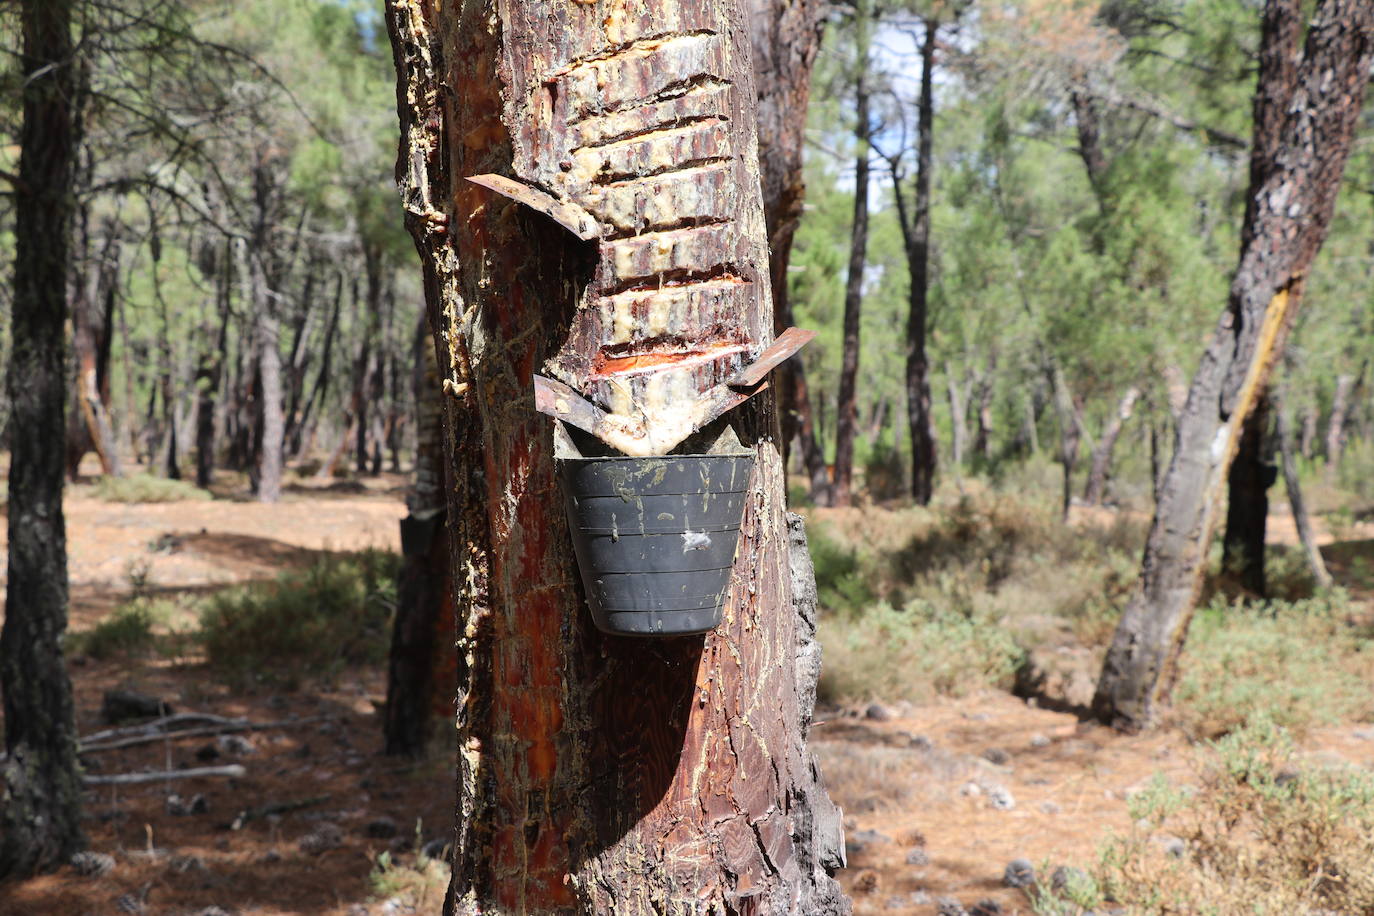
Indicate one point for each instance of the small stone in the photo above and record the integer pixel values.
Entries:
(1363, 734)
(920, 898)
(996, 756)
(235, 745)
(128, 903)
(184, 864)
(92, 864)
(895, 903)
(857, 842)
(381, 828)
(322, 839)
(919, 742)
(949, 906)
(213, 911)
(1039, 741)
(970, 789)
(918, 857)
(180, 807)
(1049, 807)
(879, 713)
(1019, 873)
(986, 908)
(1001, 798)
(357, 909)
(1175, 847)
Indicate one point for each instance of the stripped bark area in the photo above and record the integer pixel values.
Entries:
(1289, 206)
(603, 774)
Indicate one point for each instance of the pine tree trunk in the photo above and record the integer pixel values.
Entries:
(40, 818)
(958, 416)
(847, 398)
(1301, 520)
(1247, 503)
(272, 427)
(1101, 465)
(1335, 426)
(1289, 207)
(602, 774)
(424, 625)
(786, 37)
(919, 416)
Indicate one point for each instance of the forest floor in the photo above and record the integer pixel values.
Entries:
(938, 797)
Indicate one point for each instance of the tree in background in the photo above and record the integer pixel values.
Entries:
(1312, 104)
(40, 811)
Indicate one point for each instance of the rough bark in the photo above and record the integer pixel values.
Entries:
(272, 427)
(602, 774)
(847, 397)
(92, 312)
(1247, 505)
(40, 810)
(1288, 210)
(1101, 464)
(785, 39)
(1090, 145)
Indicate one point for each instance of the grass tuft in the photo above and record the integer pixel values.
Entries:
(145, 488)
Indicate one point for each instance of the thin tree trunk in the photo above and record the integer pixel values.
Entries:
(603, 774)
(958, 416)
(40, 819)
(268, 357)
(919, 414)
(1247, 504)
(1101, 465)
(424, 601)
(786, 37)
(321, 388)
(1289, 206)
(1335, 426)
(1308, 437)
(847, 399)
(1301, 520)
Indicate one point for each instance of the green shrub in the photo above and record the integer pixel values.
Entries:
(1263, 832)
(128, 631)
(1300, 664)
(915, 654)
(145, 488)
(841, 583)
(307, 624)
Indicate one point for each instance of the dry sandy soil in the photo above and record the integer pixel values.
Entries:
(938, 799)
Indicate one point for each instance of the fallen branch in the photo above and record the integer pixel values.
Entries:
(253, 814)
(225, 726)
(165, 724)
(233, 771)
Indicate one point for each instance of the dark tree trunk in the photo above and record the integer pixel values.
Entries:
(919, 417)
(602, 774)
(1090, 145)
(417, 689)
(1288, 210)
(1247, 505)
(847, 399)
(92, 333)
(1101, 465)
(320, 390)
(40, 818)
(786, 37)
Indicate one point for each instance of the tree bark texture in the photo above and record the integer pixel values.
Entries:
(40, 809)
(786, 37)
(919, 416)
(847, 398)
(604, 774)
(1289, 207)
(1335, 426)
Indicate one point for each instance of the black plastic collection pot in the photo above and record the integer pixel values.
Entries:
(656, 537)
